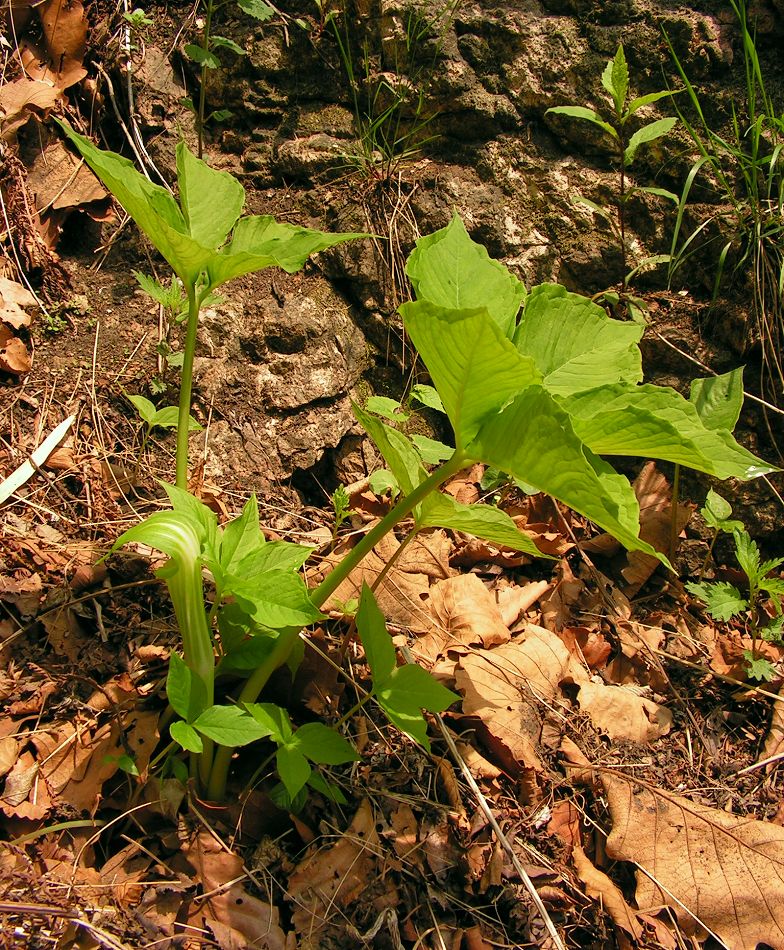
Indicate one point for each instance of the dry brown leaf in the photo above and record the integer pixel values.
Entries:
(726, 871)
(774, 741)
(9, 753)
(565, 822)
(402, 594)
(601, 888)
(13, 298)
(508, 688)
(60, 181)
(14, 356)
(464, 613)
(623, 714)
(237, 918)
(58, 59)
(515, 600)
(19, 98)
(329, 879)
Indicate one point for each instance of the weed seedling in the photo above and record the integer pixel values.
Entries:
(152, 418)
(724, 601)
(624, 146)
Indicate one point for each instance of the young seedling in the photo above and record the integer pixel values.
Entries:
(724, 601)
(717, 511)
(341, 507)
(205, 54)
(624, 145)
(152, 418)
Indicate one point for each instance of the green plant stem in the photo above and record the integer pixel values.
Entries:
(216, 788)
(676, 489)
(708, 556)
(186, 387)
(206, 35)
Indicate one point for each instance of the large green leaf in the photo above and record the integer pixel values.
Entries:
(211, 201)
(648, 133)
(260, 241)
(657, 422)
(718, 399)
(581, 112)
(615, 79)
(274, 599)
(450, 270)
(483, 521)
(573, 342)
(398, 452)
(152, 207)
(533, 439)
(474, 367)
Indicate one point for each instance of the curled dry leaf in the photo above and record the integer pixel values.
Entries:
(623, 714)
(464, 614)
(725, 871)
(14, 356)
(18, 99)
(13, 298)
(600, 887)
(57, 59)
(508, 689)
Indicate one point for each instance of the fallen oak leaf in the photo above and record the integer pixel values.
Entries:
(599, 886)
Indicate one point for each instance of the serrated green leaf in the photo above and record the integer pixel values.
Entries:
(648, 133)
(615, 79)
(293, 769)
(165, 296)
(758, 667)
(463, 350)
(230, 726)
(747, 553)
(428, 396)
(723, 601)
(657, 422)
(323, 745)
(144, 408)
(581, 112)
(574, 344)
(186, 736)
(451, 271)
(718, 399)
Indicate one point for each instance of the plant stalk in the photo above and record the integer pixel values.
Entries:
(284, 644)
(676, 489)
(186, 387)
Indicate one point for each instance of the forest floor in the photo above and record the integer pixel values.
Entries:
(610, 754)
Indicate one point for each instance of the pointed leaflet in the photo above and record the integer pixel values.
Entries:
(656, 422)
(648, 133)
(402, 692)
(718, 399)
(546, 453)
(211, 200)
(260, 241)
(573, 342)
(230, 726)
(439, 510)
(580, 112)
(450, 270)
(151, 207)
(474, 367)
(615, 80)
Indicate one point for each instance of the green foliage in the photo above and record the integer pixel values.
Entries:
(401, 691)
(743, 170)
(341, 506)
(206, 54)
(724, 601)
(624, 146)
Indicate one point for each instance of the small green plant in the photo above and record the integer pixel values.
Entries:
(390, 106)
(745, 168)
(624, 144)
(341, 506)
(537, 384)
(205, 53)
(724, 601)
(717, 512)
(152, 418)
(137, 18)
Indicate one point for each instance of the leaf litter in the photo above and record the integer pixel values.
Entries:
(595, 757)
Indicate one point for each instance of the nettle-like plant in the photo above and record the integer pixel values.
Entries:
(624, 146)
(538, 385)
